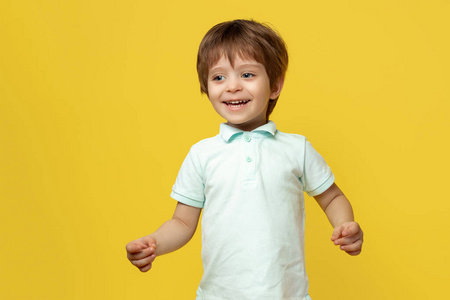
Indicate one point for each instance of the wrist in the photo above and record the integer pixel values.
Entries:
(343, 223)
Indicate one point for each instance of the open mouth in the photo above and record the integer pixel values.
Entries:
(236, 103)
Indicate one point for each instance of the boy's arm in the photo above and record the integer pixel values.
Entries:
(170, 236)
(338, 209)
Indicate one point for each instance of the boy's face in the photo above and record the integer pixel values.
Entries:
(240, 94)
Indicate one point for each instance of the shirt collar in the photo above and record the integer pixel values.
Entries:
(227, 132)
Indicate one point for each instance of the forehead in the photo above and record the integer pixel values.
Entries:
(235, 62)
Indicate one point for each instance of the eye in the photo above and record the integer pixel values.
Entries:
(218, 78)
(247, 75)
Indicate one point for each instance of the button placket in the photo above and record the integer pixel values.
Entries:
(249, 156)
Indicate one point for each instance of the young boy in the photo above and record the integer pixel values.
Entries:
(249, 179)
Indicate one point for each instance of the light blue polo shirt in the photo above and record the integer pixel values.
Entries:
(250, 186)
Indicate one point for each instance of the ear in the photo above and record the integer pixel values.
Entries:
(277, 88)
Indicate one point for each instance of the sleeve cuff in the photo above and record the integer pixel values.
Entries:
(187, 201)
(323, 187)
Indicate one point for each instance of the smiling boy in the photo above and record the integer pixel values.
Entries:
(240, 94)
(249, 179)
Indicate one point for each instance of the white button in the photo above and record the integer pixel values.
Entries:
(247, 138)
(249, 159)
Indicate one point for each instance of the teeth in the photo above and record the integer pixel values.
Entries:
(237, 102)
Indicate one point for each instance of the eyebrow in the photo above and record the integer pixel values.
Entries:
(258, 65)
(244, 65)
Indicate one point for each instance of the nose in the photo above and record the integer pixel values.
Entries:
(234, 85)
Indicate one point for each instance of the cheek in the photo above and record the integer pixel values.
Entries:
(213, 94)
(210, 90)
(213, 99)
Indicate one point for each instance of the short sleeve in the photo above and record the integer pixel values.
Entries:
(189, 186)
(317, 176)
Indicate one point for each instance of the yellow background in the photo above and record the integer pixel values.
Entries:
(99, 104)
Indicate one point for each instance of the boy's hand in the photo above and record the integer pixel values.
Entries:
(349, 236)
(141, 253)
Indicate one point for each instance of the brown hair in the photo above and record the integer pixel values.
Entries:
(246, 39)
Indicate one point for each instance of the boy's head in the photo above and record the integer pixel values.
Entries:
(246, 39)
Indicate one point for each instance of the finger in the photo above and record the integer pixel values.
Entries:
(356, 246)
(135, 247)
(350, 238)
(347, 240)
(353, 253)
(146, 268)
(141, 263)
(141, 254)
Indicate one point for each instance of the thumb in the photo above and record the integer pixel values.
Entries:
(337, 232)
(148, 241)
(350, 228)
(135, 246)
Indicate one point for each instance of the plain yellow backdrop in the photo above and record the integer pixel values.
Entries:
(100, 103)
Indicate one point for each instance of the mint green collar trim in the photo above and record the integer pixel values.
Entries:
(227, 132)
